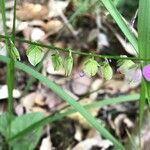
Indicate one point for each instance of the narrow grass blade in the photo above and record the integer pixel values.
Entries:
(143, 43)
(144, 29)
(142, 101)
(58, 116)
(121, 23)
(144, 48)
(62, 94)
(10, 65)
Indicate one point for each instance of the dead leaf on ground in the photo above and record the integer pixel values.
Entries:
(80, 119)
(52, 26)
(55, 7)
(29, 11)
(31, 99)
(89, 143)
(80, 85)
(115, 86)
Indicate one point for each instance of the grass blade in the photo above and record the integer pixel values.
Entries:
(62, 94)
(144, 45)
(121, 23)
(10, 65)
(58, 116)
(144, 49)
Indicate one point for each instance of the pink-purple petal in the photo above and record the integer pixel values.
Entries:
(146, 72)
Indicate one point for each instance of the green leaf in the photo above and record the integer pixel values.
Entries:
(68, 65)
(106, 71)
(57, 61)
(90, 67)
(4, 124)
(14, 52)
(34, 54)
(19, 124)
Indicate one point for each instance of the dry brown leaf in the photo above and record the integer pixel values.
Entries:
(52, 26)
(116, 86)
(79, 118)
(56, 7)
(30, 11)
(96, 85)
(31, 99)
(80, 85)
(39, 109)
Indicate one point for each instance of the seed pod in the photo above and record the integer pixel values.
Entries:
(34, 54)
(90, 67)
(106, 71)
(68, 65)
(56, 61)
(14, 52)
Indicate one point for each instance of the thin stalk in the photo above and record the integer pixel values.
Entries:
(10, 68)
(76, 52)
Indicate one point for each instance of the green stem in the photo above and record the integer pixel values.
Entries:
(10, 65)
(76, 52)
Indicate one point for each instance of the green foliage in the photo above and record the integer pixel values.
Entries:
(57, 61)
(90, 67)
(14, 52)
(18, 124)
(68, 64)
(34, 54)
(106, 71)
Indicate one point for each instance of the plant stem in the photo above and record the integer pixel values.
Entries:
(10, 65)
(76, 52)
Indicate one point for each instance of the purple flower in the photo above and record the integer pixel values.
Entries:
(146, 72)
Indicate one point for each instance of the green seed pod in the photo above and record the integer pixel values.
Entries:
(106, 71)
(34, 54)
(56, 61)
(68, 64)
(90, 67)
(14, 52)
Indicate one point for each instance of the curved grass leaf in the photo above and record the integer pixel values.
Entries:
(62, 94)
(144, 47)
(121, 23)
